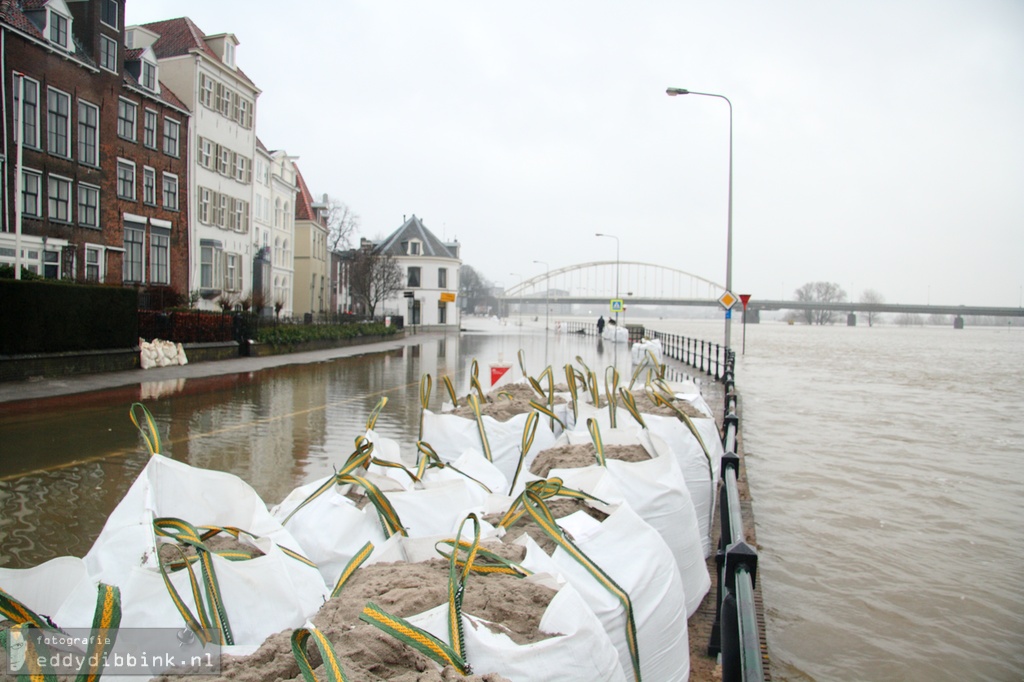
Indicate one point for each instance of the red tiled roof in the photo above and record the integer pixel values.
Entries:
(133, 53)
(179, 37)
(303, 199)
(10, 13)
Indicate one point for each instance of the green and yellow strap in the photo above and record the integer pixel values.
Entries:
(13, 610)
(611, 386)
(371, 421)
(521, 355)
(446, 381)
(570, 380)
(184, 533)
(105, 622)
(150, 433)
(545, 489)
(389, 521)
(529, 432)
(474, 404)
(421, 640)
(540, 513)
(332, 667)
(350, 568)
(595, 437)
(426, 385)
(429, 459)
(486, 563)
(630, 404)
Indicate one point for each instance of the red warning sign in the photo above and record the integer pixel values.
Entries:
(745, 298)
(498, 371)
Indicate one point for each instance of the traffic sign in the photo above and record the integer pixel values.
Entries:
(727, 300)
(616, 305)
(728, 314)
(745, 298)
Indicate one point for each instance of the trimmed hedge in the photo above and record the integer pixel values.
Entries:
(292, 334)
(56, 317)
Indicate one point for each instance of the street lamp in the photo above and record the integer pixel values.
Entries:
(672, 92)
(516, 274)
(601, 234)
(547, 292)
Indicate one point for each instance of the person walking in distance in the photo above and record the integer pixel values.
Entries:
(600, 325)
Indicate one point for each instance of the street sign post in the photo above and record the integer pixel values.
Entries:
(745, 299)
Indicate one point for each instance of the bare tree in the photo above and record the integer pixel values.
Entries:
(374, 278)
(872, 297)
(473, 288)
(820, 292)
(342, 224)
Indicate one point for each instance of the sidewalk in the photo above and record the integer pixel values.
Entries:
(34, 389)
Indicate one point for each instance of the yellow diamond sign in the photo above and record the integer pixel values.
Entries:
(728, 300)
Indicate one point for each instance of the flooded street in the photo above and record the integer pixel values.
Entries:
(66, 462)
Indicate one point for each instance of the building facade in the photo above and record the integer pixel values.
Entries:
(202, 70)
(95, 170)
(431, 273)
(312, 263)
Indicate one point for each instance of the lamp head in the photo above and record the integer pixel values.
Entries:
(672, 92)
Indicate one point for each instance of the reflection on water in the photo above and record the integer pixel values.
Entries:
(65, 463)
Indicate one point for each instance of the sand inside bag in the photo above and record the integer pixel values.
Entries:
(514, 607)
(583, 455)
(501, 408)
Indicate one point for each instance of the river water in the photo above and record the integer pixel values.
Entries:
(885, 465)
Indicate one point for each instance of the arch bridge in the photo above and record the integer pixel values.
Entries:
(597, 282)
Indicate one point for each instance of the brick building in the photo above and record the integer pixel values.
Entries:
(95, 187)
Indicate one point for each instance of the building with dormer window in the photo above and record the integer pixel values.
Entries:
(94, 172)
(202, 70)
(431, 273)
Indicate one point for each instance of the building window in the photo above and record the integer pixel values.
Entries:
(51, 264)
(442, 312)
(93, 264)
(160, 256)
(59, 199)
(108, 13)
(30, 193)
(148, 76)
(126, 117)
(222, 210)
(109, 53)
(204, 206)
(29, 111)
(205, 152)
(149, 119)
(171, 137)
(414, 277)
(210, 257)
(232, 272)
(229, 53)
(244, 113)
(170, 187)
(206, 89)
(58, 29)
(223, 97)
(88, 205)
(134, 242)
(126, 179)
(58, 122)
(88, 133)
(148, 186)
(224, 162)
(442, 278)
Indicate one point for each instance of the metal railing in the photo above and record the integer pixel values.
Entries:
(736, 633)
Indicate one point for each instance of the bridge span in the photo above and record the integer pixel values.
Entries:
(648, 284)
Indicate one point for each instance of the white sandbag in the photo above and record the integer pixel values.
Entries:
(261, 595)
(451, 436)
(642, 351)
(182, 360)
(615, 334)
(59, 588)
(631, 553)
(578, 649)
(656, 491)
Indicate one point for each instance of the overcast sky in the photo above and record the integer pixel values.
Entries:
(877, 144)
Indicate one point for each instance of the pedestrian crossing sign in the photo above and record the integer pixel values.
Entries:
(617, 306)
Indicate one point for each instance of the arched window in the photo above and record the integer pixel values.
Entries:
(277, 213)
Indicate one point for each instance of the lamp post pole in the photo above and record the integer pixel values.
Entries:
(728, 249)
(601, 234)
(547, 292)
